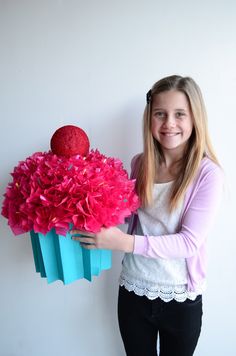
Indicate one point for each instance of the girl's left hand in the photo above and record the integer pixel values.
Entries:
(107, 238)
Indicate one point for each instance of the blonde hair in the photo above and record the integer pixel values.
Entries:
(199, 144)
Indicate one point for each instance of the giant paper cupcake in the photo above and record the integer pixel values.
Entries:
(68, 187)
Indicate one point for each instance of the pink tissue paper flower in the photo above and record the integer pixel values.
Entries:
(49, 191)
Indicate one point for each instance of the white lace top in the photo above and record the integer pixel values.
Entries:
(157, 277)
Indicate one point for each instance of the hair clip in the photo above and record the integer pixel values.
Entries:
(149, 96)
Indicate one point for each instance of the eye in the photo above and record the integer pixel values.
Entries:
(180, 114)
(159, 114)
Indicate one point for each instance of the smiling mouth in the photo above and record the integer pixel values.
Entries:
(168, 134)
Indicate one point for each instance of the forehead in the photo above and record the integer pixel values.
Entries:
(171, 99)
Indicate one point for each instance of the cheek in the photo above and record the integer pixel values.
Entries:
(188, 129)
(153, 130)
(154, 126)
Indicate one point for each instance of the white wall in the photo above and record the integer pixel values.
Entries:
(90, 63)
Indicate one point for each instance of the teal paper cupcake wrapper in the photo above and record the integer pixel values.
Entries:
(58, 257)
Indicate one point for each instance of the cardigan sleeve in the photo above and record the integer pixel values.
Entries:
(197, 219)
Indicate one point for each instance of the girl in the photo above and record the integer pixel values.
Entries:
(179, 182)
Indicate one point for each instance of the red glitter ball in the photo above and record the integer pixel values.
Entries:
(69, 141)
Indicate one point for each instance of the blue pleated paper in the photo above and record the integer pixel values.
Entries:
(59, 257)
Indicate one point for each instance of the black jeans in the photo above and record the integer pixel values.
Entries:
(141, 320)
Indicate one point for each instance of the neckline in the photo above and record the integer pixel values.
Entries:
(164, 183)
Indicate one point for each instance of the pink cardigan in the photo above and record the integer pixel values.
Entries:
(200, 206)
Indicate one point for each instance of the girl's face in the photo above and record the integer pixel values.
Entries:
(172, 122)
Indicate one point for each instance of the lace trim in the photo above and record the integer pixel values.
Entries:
(165, 292)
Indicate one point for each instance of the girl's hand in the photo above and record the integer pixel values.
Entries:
(107, 238)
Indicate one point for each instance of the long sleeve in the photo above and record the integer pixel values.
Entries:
(200, 208)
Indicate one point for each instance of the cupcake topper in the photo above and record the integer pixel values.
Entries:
(69, 141)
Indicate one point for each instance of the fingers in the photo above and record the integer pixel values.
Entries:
(88, 246)
(86, 239)
(85, 242)
(82, 233)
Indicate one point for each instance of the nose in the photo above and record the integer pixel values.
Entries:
(170, 121)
